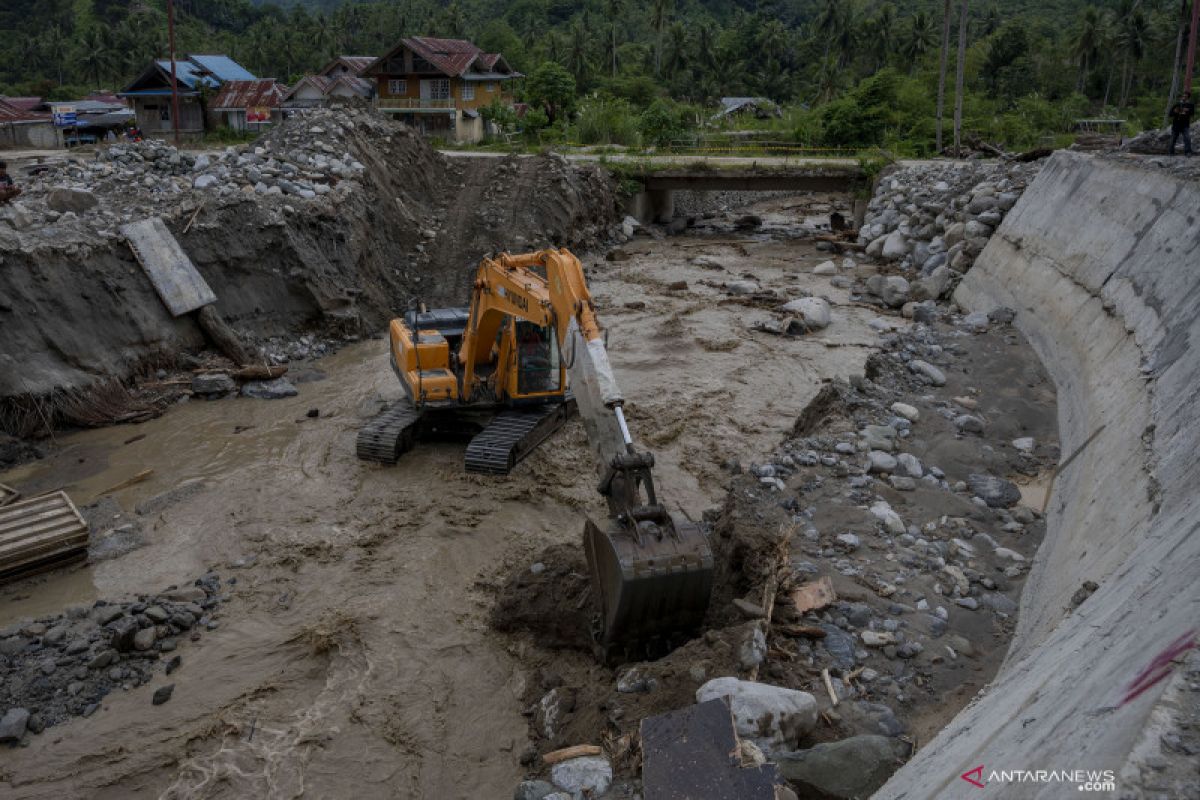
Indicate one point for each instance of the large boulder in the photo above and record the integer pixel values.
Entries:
(813, 312)
(12, 724)
(996, 492)
(773, 717)
(75, 200)
(852, 768)
(589, 776)
(269, 390)
(895, 247)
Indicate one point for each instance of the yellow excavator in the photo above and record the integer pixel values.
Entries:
(508, 371)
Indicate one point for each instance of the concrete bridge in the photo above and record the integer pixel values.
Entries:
(656, 203)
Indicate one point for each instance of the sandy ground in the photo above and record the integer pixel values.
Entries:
(354, 656)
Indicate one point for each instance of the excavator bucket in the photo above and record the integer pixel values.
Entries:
(652, 593)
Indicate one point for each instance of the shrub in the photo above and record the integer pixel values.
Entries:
(608, 121)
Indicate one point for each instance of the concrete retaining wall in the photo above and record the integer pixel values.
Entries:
(1102, 263)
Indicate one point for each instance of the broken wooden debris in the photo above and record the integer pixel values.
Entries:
(567, 753)
(39, 533)
(8, 494)
(125, 484)
(693, 753)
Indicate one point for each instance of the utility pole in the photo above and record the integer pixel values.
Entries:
(174, 81)
(1191, 57)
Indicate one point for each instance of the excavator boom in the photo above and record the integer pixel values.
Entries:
(651, 570)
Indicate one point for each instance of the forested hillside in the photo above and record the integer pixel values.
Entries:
(851, 71)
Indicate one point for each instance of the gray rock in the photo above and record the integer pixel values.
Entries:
(156, 614)
(162, 694)
(840, 645)
(895, 246)
(910, 465)
(213, 383)
(741, 287)
(13, 724)
(851, 768)
(753, 650)
(533, 790)
(966, 423)
(931, 373)
(996, 492)
(879, 461)
(879, 437)
(999, 602)
(205, 182)
(13, 645)
(75, 201)
(122, 631)
(976, 322)
(813, 312)
(848, 540)
(773, 717)
(590, 774)
(144, 639)
(269, 390)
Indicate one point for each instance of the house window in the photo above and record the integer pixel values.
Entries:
(397, 87)
(468, 91)
(491, 86)
(435, 89)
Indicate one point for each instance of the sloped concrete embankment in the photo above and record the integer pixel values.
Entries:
(1100, 261)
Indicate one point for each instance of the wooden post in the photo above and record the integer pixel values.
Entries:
(1191, 58)
(174, 81)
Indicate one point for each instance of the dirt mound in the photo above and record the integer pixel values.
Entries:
(331, 223)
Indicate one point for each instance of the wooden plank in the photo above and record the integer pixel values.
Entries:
(175, 278)
(42, 530)
(8, 494)
(577, 751)
(692, 754)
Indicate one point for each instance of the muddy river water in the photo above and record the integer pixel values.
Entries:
(353, 658)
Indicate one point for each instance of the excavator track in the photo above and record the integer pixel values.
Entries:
(385, 438)
(512, 435)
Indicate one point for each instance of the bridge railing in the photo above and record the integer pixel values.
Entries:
(701, 147)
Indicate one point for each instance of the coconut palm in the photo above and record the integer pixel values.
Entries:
(97, 58)
(941, 96)
(1133, 36)
(961, 73)
(881, 34)
(614, 9)
(660, 13)
(1087, 41)
(577, 50)
(920, 39)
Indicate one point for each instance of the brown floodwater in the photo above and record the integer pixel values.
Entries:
(354, 657)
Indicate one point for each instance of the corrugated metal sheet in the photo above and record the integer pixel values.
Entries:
(187, 73)
(249, 94)
(357, 63)
(224, 68)
(40, 531)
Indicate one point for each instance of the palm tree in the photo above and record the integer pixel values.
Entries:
(958, 81)
(54, 49)
(848, 36)
(577, 50)
(614, 9)
(678, 45)
(882, 33)
(1132, 39)
(941, 98)
(660, 12)
(1085, 46)
(97, 57)
(830, 21)
(919, 40)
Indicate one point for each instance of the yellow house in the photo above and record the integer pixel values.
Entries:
(439, 85)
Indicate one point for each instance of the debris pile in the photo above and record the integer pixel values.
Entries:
(868, 569)
(65, 665)
(932, 221)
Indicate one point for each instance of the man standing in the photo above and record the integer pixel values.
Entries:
(1181, 122)
(8, 190)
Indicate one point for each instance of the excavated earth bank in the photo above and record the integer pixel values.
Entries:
(392, 221)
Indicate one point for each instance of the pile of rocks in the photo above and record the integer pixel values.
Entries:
(1157, 142)
(57, 666)
(935, 217)
(305, 158)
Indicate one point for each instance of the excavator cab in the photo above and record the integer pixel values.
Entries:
(539, 370)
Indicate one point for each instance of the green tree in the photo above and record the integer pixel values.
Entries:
(614, 8)
(660, 14)
(552, 88)
(919, 40)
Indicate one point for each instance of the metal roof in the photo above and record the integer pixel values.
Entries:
(355, 64)
(187, 73)
(223, 68)
(10, 113)
(249, 94)
(23, 103)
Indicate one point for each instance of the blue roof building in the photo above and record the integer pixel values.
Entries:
(197, 76)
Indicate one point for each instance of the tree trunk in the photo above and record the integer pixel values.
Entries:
(614, 48)
(1124, 82)
(1176, 65)
(958, 82)
(658, 55)
(941, 100)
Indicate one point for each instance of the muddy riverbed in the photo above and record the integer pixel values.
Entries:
(354, 655)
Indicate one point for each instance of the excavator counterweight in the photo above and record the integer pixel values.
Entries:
(531, 325)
